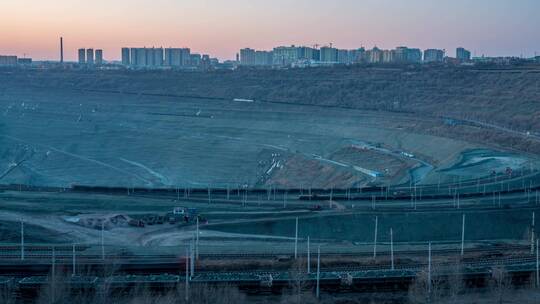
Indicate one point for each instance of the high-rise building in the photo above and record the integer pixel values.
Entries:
(357, 56)
(125, 57)
(82, 56)
(8, 60)
(388, 56)
(400, 54)
(343, 56)
(251, 57)
(329, 54)
(414, 56)
(433, 55)
(286, 55)
(404, 54)
(195, 60)
(307, 53)
(90, 56)
(133, 54)
(177, 57)
(99, 57)
(374, 55)
(463, 54)
(154, 57)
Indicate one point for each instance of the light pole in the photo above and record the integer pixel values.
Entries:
(22, 240)
(375, 238)
(463, 235)
(392, 247)
(296, 240)
(308, 257)
(319, 271)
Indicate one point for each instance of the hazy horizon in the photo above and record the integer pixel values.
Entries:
(221, 28)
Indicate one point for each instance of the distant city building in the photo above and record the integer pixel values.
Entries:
(8, 60)
(463, 54)
(388, 56)
(404, 54)
(433, 55)
(414, 56)
(343, 57)
(400, 54)
(82, 56)
(154, 57)
(90, 56)
(308, 53)
(285, 55)
(357, 56)
(374, 55)
(251, 57)
(126, 59)
(99, 57)
(177, 57)
(195, 60)
(329, 54)
(24, 61)
(205, 62)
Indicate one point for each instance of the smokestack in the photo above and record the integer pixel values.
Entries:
(61, 50)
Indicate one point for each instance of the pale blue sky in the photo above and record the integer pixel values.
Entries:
(221, 27)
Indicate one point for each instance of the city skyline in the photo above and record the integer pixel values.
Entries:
(222, 28)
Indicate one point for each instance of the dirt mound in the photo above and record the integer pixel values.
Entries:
(94, 221)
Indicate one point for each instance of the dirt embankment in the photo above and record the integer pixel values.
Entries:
(509, 98)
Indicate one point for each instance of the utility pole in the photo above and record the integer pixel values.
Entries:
(73, 261)
(308, 257)
(197, 240)
(429, 267)
(392, 247)
(537, 267)
(192, 256)
(375, 238)
(102, 241)
(462, 234)
(296, 240)
(319, 270)
(532, 234)
(22, 240)
(187, 275)
(53, 275)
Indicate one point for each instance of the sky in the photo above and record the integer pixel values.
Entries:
(222, 27)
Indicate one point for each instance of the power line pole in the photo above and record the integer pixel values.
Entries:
(102, 241)
(429, 268)
(73, 261)
(187, 275)
(319, 271)
(375, 238)
(308, 257)
(392, 247)
(197, 240)
(296, 240)
(532, 234)
(463, 235)
(22, 241)
(537, 267)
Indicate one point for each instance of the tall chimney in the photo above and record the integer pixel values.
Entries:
(61, 50)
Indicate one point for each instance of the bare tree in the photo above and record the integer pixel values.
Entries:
(426, 288)
(299, 291)
(500, 283)
(455, 282)
(7, 295)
